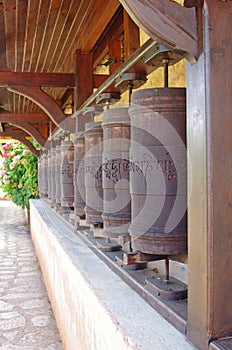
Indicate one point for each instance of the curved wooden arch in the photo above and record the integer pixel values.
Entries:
(31, 131)
(168, 23)
(43, 100)
(21, 136)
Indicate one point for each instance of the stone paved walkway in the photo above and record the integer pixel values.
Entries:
(26, 318)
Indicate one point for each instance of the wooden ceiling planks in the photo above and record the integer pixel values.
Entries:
(96, 22)
(43, 36)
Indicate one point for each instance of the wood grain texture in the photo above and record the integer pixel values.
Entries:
(166, 22)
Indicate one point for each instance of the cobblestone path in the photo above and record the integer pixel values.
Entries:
(26, 318)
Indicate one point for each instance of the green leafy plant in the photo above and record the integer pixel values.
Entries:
(18, 174)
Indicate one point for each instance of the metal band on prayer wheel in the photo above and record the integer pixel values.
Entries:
(66, 174)
(93, 172)
(158, 171)
(115, 172)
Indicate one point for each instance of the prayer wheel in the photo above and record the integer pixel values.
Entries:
(57, 167)
(66, 174)
(116, 171)
(93, 172)
(53, 175)
(158, 171)
(40, 170)
(79, 174)
(49, 176)
(45, 174)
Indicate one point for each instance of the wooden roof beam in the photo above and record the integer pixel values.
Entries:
(25, 117)
(37, 79)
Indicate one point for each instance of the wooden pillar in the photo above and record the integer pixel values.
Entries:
(84, 75)
(209, 86)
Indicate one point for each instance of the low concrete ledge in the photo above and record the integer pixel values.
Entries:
(94, 308)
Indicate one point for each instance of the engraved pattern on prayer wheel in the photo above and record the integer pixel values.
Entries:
(158, 171)
(57, 167)
(66, 174)
(79, 174)
(93, 172)
(115, 172)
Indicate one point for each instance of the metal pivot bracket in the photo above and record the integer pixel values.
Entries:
(172, 289)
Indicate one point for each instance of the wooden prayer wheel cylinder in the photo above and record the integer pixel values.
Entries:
(79, 175)
(53, 175)
(116, 172)
(57, 167)
(93, 172)
(49, 175)
(45, 174)
(158, 171)
(66, 174)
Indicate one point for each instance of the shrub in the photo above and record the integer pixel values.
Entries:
(18, 174)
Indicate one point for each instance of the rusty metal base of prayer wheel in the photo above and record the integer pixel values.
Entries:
(109, 245)
(140, 266)
(173, 289)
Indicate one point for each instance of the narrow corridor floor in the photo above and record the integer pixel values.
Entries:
(26, 317)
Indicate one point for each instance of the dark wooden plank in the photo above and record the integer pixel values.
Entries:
(3, 62)
(18, 117)
(37, 79)
(166, 22)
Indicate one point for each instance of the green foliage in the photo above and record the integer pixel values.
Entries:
(18, 174)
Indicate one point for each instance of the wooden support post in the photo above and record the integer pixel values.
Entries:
(209, 86)
(131, 36)
(115, 52)
(84, 76)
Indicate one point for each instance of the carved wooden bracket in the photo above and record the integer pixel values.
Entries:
(43, 100)
(20, 136)
(168, 23)
(31, 130)
(23, 122)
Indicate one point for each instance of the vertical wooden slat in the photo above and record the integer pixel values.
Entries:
(210, 220)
